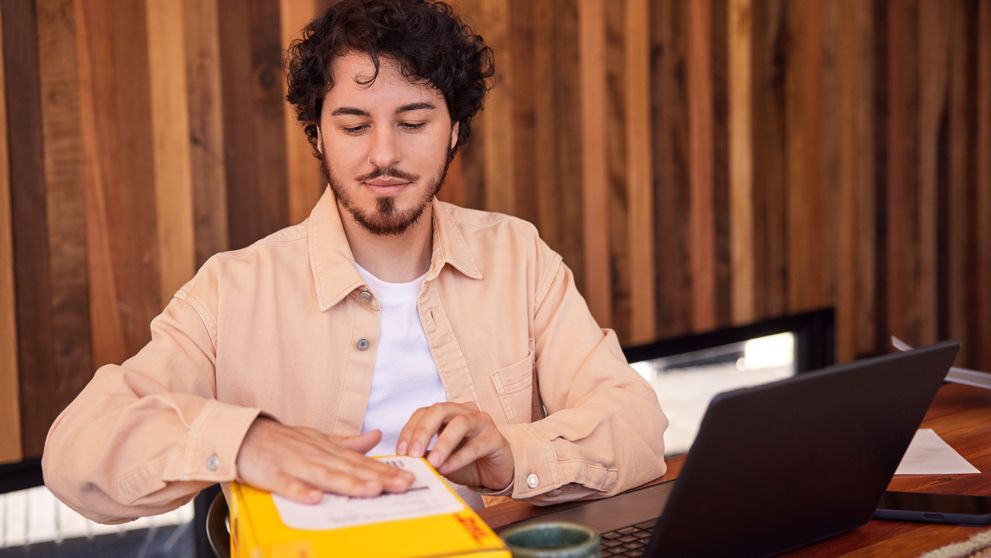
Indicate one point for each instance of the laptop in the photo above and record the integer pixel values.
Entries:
(780, 465)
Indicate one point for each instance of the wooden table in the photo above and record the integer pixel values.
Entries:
(961, 415)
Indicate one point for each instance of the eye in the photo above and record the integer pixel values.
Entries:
(410, 126)
(354, 130)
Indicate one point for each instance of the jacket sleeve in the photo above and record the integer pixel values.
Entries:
(603, 433)
(145, 436)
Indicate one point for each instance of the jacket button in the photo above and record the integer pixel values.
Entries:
(362, 344)
(532, 480)
(365, 296)
(212, 462)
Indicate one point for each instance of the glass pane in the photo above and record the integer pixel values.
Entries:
(686, 383)
(35, 523)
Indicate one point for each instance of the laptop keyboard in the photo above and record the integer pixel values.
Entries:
(628, 541)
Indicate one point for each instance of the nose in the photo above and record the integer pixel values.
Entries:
(384, 150)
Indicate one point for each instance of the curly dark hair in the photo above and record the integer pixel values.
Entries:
(425, 37)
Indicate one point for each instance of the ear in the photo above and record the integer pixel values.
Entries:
(319, 140)
(454, 134)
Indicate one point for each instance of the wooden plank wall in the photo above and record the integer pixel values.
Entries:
(698, 163)
(10, 415)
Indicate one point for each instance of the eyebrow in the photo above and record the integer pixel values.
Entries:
(352, 111)
(415, 106)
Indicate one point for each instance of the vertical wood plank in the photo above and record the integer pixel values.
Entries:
(304, 180)
(550, 219)
(121, 223)
(880, 74)
(902, 175)
(453, 190)
(718, 37)
(35, 342)
(870, 174)
(568, 139)
(669, 122)
(932, 43)
(741, 155)
(803, 152)
(523, 88)
(208, 174)
(955, 177)
(498, 129)
(703, 257)
(170, 132)
(982, 276)
(108, 336)
(617, 218)
(771, 240)
(557, 135)
(63, 176)
(473, 172)
(10, 414)
(848, 95)
(254, 124)
(639, 190)
(829, 147)
(472, 156)
(855, 227)
(595, 164)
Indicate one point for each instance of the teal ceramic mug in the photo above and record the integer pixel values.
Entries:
(557, 539)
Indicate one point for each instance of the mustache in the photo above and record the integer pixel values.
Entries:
(388, 172)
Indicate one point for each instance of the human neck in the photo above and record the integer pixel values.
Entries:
(392, 258)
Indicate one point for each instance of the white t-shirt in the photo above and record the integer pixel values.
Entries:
(405, 377)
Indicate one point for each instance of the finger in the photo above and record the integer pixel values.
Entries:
(453, 434)
(294, 489)
(352, 449)
(362, 443)
(399, 482)
(470, 452)
(339, 478)
(354, 463)
(433, 418)
(373, 469)
(402, 442)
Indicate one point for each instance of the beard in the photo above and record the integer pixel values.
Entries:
(386, 219)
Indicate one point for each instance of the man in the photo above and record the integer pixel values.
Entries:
(387, 322)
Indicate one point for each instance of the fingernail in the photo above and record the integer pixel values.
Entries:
(401, 448)
(316, 495)
(445, 469)
(434, 459)
(416, 450)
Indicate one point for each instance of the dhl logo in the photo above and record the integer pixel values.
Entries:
(472, 525)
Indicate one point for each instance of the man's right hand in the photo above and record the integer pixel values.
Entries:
(302, 463)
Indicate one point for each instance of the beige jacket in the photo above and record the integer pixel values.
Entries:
(286, 326)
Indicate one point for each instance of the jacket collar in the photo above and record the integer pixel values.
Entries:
(332, 262)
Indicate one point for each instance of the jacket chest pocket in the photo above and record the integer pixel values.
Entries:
(514, 385)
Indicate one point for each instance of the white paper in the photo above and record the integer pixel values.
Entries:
(428, 495)
(928, 454)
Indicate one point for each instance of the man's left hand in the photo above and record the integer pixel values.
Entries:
(469, 450)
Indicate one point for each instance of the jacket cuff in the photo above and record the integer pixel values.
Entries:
(492, 492)
(537, 469)
(215, 437)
